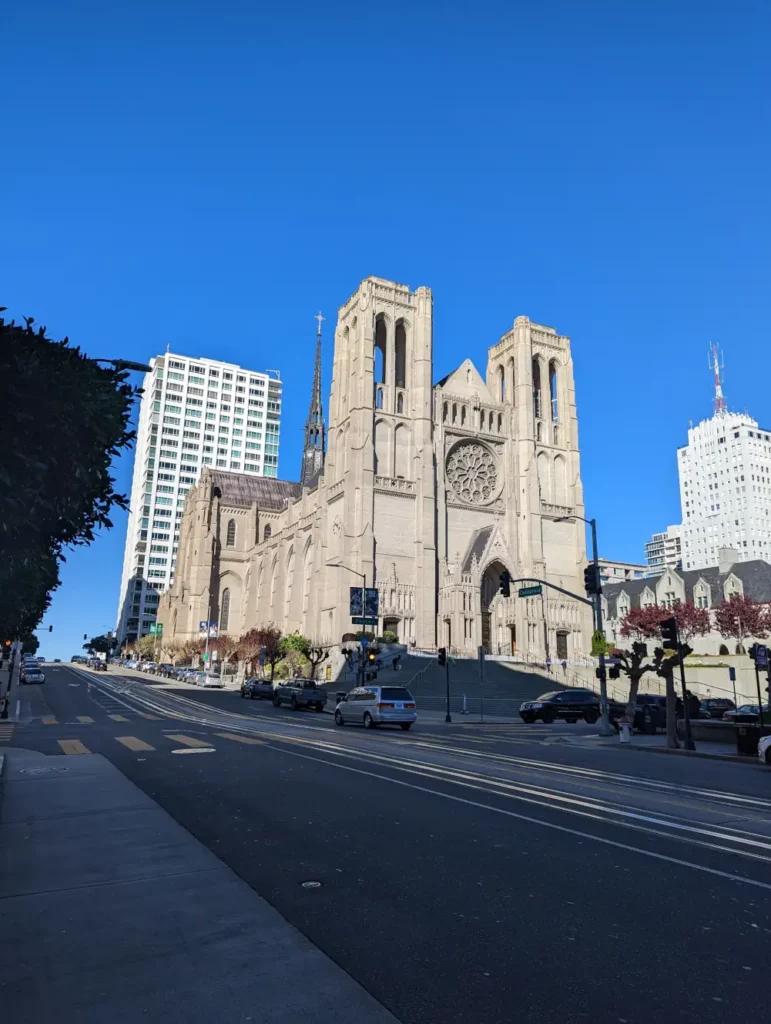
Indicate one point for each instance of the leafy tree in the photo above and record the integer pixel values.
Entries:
(145, 646)
(316, 654)
(249, 647)
(642, 623)
(691, 621)
(226, 646)
(30, 644)
(389, 637)
(269, 639)
(740, 617)
(171, 649)
(54, 466)
(632, 664)
(99, 644)
(295, 648)
(192, 648)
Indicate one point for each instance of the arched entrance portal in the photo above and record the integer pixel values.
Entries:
(491, 586)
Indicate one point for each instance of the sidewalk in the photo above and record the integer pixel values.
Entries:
(113, 912)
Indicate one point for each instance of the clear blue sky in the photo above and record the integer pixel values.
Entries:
(210, 175)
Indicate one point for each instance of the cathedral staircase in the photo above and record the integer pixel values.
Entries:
(506, 684)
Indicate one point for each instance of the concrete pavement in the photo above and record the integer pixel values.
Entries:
(113, 911)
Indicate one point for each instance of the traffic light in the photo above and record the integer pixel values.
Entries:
(50, 629)
(441, 656)
(371, 656)
(505, 587)
(614, 672)
(592, 579)
(669, 634)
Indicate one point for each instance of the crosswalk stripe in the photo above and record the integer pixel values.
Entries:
(187, 741)
(85, 719)
(133, 743)
(118, 718)
(49, 720)
(73, 747)
(237, 738)
(153, 718)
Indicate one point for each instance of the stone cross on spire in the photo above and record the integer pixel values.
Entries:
(315, 433)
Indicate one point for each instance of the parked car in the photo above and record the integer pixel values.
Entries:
(300, 693)
(650, 712)
(262, 689)
(744, 713)
(99, 665)
(33, 675)
(717, 706)
(570, 704)
(764, 749)
(210, 679)
(377, 705)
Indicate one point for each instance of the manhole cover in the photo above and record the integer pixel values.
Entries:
(311, 885)
(42, 771)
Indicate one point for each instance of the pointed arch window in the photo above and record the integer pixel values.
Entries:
(224, 610)
(231, 533)
(553, 391)
(379, 398)
(400, 402)
(537, 388)
(501, 384)
(400, 356)
(380, 351)
(267, 532)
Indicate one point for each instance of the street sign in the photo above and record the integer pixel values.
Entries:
(761, 656)
(209, 628)
(599, 643)
(359, 620)
(533, 591)
(156, 629)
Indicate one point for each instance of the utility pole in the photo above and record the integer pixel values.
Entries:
(443, 658)
(605, 727)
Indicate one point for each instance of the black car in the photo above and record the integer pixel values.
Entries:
(650, 712)
(570, 704)
(259, 688)
(717, 706)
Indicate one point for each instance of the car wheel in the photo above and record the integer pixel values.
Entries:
(242, 694)
(590, 717)
(339, 720)
(368, 723)
(405, 725)
(293, 703)
(276, 701)
(528, 717)
(251, 695)
(319, 707)
(548, 715)
(571, 721)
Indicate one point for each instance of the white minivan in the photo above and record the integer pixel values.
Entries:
(377, 705)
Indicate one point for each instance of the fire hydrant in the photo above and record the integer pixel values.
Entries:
(624, 732)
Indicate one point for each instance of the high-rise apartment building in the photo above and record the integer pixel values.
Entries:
(725, 486)
(194, 413)
(664, 551)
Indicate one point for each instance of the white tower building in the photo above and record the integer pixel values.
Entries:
(725, 486)
(195, 413)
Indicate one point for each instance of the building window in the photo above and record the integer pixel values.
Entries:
(267, 532)
(224, 611)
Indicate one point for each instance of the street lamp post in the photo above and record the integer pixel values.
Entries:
(125, 364)
(605, 726)
(363, 577)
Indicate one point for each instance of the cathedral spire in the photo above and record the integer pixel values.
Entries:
(313, 447)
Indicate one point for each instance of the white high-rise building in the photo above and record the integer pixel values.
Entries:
(664, 551)
(725, 487)
(194, 413)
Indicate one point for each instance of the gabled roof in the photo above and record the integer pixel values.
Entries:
(755, 577)
(466, 381)
(477, 544)
(271, 495)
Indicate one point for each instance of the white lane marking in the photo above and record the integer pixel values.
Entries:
(538, 821)
(18, 711)
(195, 750)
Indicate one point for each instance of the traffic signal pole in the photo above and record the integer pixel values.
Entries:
(605, 726)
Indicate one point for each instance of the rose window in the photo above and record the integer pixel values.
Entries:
(472, 473)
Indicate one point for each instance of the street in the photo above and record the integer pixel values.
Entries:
(467, 872)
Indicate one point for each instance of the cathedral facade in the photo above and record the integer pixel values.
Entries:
(428, 492)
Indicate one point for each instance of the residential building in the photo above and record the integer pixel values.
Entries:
(618, 572)
(428, 492)
(664, 551)
(725, 486)
(703, 587)
(195, 414)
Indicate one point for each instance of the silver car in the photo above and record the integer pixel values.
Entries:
(377, 705)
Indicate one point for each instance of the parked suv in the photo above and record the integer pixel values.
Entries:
(260, 688)
(716, 707)
(377, 705)
(570, 704)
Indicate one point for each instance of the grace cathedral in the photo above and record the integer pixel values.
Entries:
(426, 491)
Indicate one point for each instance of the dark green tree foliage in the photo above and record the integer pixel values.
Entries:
(65, 418)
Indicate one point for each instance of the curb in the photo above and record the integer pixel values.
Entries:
(734, 758)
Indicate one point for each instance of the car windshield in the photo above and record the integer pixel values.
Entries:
(395, 693)
(549, 696)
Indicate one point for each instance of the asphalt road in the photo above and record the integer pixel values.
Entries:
(467, 873)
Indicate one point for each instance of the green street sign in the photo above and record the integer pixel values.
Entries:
(156, 629)
(531, 591)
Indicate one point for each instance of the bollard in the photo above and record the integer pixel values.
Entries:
(624, 733)
(465, 709)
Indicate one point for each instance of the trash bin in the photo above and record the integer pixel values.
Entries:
(748, 736)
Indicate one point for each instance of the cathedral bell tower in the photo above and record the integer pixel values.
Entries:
(314, 444)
